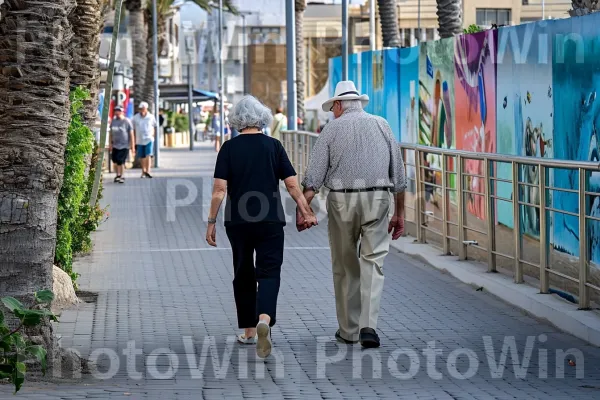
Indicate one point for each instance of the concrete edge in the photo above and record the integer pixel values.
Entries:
(560, 313)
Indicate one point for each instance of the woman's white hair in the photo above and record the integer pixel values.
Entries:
(249, 112)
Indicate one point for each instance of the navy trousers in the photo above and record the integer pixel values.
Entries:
(266, 239)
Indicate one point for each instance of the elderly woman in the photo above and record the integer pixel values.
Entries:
(249, 168)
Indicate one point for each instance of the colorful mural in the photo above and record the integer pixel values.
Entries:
(436, 107)
(527, 90)
(576, 77)
(408, 61)
(524, 114)
(475, 119)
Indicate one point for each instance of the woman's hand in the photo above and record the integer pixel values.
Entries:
(211, 235)
(304, 222)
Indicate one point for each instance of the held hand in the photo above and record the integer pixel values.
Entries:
(300, 221)
(211, 235)
(110, 148)
(397, 226)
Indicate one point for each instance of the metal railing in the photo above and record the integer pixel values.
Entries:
(298, 145)
(442, 172)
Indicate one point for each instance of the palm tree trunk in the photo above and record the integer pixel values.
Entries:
(148, 94)
(87, 21)
(139, 37)
(449, 14)
(300, 58)
(388, 15)
(34, 99)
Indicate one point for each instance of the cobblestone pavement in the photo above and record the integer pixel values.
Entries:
(163, 290)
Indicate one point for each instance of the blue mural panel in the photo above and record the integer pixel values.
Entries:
(524, 113)
(576, 74)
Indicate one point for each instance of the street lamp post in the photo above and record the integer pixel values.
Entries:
(290, 44)
(221, 77)
(245, 54)
(372, 37)
(344, 40)
(156, 94)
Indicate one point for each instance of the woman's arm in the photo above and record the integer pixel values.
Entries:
(293, 188)
(219, 192)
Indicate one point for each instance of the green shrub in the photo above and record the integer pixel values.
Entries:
(181, 123)
(79, 144)
(473, 29)
(90, 217)
(16, 350)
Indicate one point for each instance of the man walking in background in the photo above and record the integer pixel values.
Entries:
(144, 126)
(279, 124)
(121, 141)
(357, 157)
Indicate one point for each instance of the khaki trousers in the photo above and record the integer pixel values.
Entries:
(359, 241)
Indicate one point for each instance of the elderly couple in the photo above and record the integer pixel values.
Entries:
(358, 159)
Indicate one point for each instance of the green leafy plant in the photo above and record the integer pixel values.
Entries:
(473, 29)
(79, 145)
(181, 123)
(90, 217)
(16, 349)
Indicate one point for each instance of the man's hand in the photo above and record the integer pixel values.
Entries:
(211, 235)
(397, 226)
(110, 147)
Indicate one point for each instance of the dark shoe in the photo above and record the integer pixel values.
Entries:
(117, 179)
(369, 338)
(148, 175)
(340, 339)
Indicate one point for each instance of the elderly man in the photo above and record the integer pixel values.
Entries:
(358, 159)
(144, 127)
(120, 142)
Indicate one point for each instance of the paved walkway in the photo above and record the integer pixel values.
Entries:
(163, 290)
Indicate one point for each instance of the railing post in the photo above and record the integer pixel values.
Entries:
(418, 195)
(584, 295)
(462, 249)
(517, 223)
(446, 242)
(295, 145)
(544, 274)
(490, 216)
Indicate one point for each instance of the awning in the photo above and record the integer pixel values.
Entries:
(179, 93)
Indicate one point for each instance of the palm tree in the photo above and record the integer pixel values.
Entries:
(87, 21)
(139, 38)
(388, 15)
(300, 58)
(583, 7)
(449, 14)
(34, 99)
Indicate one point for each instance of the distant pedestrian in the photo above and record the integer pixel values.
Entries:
(145, 129)
(357, 157)
(121, 142)
(279, 124)
(248, 171)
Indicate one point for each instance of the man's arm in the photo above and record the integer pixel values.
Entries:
(398, 179)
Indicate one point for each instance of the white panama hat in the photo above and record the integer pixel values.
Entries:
(345, 90)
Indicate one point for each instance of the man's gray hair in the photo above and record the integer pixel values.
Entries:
(249, 112)
(351, 105)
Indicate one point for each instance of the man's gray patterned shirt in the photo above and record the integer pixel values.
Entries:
(356, 151)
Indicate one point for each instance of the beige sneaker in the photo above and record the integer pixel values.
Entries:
(263, 345)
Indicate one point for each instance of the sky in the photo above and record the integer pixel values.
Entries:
(191, 12)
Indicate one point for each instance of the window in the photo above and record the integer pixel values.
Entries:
(265, 35)
(489, 16)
